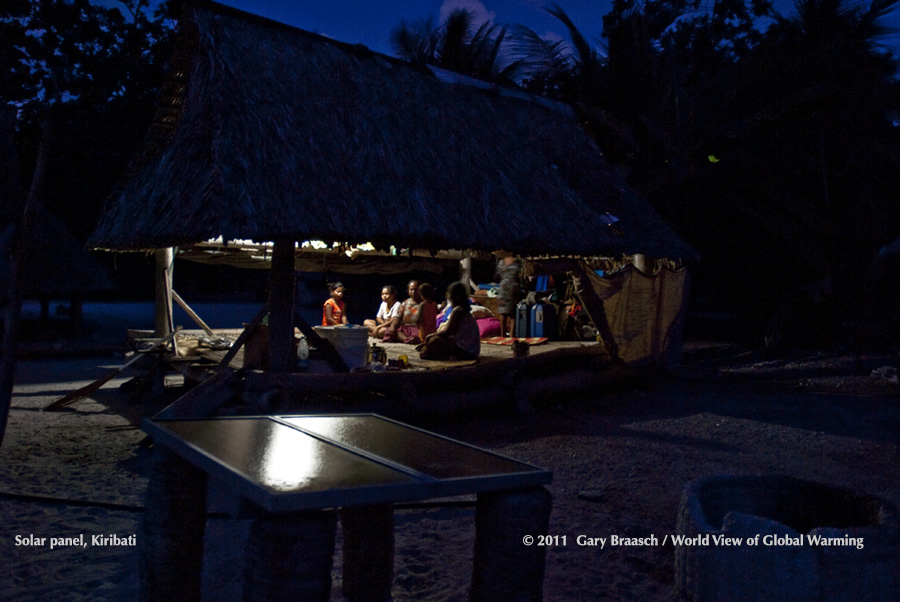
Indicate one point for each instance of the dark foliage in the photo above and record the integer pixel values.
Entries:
(769, 142)
(91, 72)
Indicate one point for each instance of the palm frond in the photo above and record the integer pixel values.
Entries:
(416, 42)
(540, 56)
(586, 56)
(873, 19)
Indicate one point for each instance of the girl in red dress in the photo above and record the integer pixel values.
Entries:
(333, 312)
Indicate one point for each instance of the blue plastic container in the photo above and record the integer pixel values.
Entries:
(542, 321)
(522, 319)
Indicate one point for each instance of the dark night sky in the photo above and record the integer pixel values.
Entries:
(369, 23)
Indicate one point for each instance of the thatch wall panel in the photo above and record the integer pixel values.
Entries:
(286, 133)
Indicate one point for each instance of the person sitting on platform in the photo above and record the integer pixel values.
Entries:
(333, 311)
(386, 321)
(457, 338)
(408, 332)
(428, 312)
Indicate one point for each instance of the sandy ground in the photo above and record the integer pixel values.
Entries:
(620, 459)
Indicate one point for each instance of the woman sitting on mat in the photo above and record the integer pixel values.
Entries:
(457, 338)
(386, 321)
(408, 332)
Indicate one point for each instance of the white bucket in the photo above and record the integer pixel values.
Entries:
(351, 343)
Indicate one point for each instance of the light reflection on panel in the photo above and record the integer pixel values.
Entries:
(287, 462)
(281, 458)
(423, 452)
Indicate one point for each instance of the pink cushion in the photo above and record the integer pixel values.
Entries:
(488, 327)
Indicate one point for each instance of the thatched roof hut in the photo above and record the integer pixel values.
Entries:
(269, 133)
(265, 131)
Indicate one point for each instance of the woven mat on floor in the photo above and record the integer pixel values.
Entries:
(511, 340)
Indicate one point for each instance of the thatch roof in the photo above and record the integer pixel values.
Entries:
(265, 130)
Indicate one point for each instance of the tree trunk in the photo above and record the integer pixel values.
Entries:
(18, 252)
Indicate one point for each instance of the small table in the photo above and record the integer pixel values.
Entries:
(291, 473)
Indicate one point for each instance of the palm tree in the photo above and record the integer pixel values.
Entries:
(417, 42)
(545, 65)
(457, 45)
(567, 71)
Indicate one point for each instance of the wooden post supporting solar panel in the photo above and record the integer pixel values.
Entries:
(289, 557)
(171, 555)
(368, 552)
(505, 567)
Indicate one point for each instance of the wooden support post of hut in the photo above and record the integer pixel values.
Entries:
(281, 306)
(165, 263)
(640, 262)
(465, 271)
